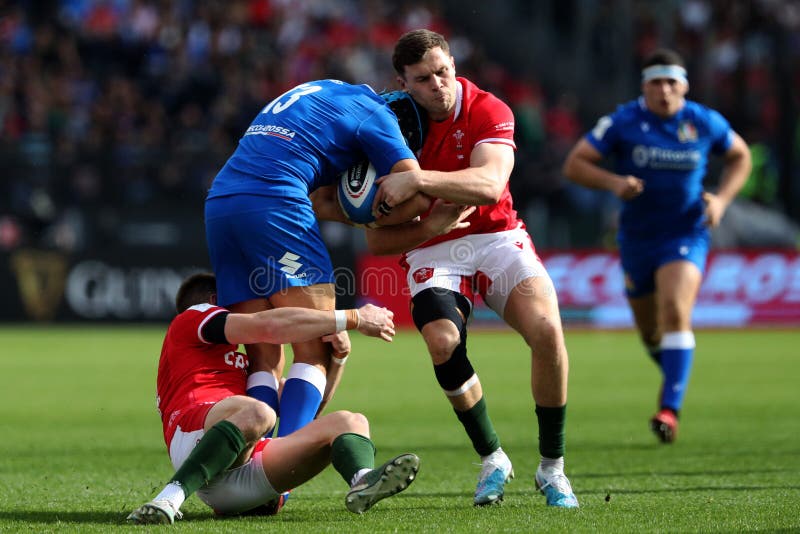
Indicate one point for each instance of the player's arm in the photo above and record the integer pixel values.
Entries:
(291, 325)
(737, 168)
(480, 184)
(443, 217)
(582, 167)
(406, 211)
(325, 202)
(326, 205)
(340, 349)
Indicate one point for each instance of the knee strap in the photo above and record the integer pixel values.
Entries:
(456, 375)
(438, 303)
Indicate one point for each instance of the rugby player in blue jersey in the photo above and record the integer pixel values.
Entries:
(263, 237)
(660, 144)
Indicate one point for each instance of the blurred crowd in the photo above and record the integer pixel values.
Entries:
(110, 107)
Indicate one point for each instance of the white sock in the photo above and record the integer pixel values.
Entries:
(360, 473)
(552, 465)
(173, 493)
(499, 450)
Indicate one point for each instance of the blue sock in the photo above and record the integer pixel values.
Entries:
(677, 353)
(301, 397)
(263, 386)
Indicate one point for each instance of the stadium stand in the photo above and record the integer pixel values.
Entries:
(115, 115)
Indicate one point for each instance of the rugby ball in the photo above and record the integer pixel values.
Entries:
(357, 192)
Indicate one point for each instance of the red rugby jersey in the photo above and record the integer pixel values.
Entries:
(479, 117)
(192, 370)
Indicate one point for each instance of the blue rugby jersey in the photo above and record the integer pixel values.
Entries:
(304, 138)
(670, 156)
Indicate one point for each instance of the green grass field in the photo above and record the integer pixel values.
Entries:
(81, 441)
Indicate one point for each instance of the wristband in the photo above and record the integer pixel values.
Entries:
(341, 320)
(339, 361)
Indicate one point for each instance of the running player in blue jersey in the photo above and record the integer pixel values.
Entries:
(660, 144)
(263, 237)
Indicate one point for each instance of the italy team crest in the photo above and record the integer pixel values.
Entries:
(687, 132)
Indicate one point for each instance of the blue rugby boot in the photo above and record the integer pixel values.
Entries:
(496, 470)
(556, 488)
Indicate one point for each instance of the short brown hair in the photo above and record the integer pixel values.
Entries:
(412, 45)
(195, 289)
(664, 56)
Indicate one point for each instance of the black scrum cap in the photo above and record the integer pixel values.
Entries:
(412, 118)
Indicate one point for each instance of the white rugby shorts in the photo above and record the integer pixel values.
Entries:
(488, 264)
(234, 491)
(238, 490)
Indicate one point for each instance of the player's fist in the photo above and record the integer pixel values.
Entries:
(340, 344)
(376, 322)
(715, 209)
(628, 187)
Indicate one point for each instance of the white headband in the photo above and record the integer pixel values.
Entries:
(672, 72)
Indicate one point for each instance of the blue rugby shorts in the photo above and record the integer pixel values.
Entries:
(259, 246)
(641, 259)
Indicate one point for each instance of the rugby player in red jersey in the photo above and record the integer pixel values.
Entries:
(213, 430)
(466, 159)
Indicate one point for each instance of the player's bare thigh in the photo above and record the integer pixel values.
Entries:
(247, 414)
(677, 285)
(645, 315)
(294, 459)
(319, 297)
(532, 310)
(241, 411)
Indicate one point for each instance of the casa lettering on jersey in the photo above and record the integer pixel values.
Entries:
(236, 359)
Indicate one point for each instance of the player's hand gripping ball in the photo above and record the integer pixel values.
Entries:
(357, 192)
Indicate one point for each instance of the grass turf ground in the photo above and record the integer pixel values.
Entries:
(81, 440)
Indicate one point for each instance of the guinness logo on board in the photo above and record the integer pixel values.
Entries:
(41, 276)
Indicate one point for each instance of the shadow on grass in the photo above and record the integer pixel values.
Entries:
(51, 517)
(705, 474)
(65, 517)
(107, 518)
(692, 473)
(685, 489)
